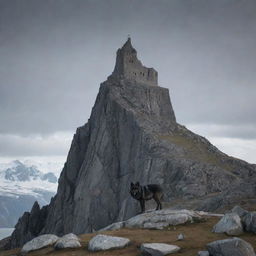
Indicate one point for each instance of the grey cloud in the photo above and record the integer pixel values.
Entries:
(21, 146)
(244, 132)
(54, 54)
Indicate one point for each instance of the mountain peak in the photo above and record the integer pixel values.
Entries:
(129, 67)
(18, 171)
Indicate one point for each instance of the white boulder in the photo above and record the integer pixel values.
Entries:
(67, 241)
(161, 219)
(230, 224)
(104, 242)
(39, 242)
(158, 249)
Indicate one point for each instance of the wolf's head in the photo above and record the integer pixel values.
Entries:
(136, 190)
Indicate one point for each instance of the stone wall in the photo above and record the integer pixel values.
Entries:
(129, 67)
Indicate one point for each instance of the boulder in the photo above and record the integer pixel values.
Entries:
(113, 226)
(230, 247)
(162, 219)
(104, 242)
(158, 249)
(180, 237)
(230, 224)
(250, 222)
(39, 242)
(67, 241)
(239, 211)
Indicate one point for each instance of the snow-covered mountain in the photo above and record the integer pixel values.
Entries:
(21, 184)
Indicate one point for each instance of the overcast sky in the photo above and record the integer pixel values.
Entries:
(54, 55)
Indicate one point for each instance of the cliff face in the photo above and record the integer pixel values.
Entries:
(132, 135)
(109, 152)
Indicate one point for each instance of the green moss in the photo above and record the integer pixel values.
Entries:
(196, 149)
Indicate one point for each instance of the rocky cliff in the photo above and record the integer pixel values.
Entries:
(132, 135)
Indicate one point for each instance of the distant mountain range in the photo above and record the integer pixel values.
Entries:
(21, 184)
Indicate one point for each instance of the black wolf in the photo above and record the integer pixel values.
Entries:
(143, 193)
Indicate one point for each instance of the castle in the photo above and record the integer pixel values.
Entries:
(128, 67)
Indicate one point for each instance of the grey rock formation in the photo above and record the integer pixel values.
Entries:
(113, 226)
(67, 241)
(161, 219)
(239, 211)
(157, 220)
(158, 249)
(29, 225)
(230, 224)
(227, 247)
(132, 135)
(104, 242)
(12, 207)
(39, 242)
(250, 222)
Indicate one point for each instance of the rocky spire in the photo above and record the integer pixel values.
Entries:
(127, 47)
(128, 67)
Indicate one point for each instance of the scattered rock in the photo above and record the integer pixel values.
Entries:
(249, 221)
(67, 241)
(162, 219)
(158, 249)
(239, 211)
(113, 226)
(230, 247)
(230, 224)
(181, 237)
(203, 253)
(39, 242)
(210, 214)
(104, 242)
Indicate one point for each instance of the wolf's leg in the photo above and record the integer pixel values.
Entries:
(159, 205)
(142, 205)
(157, 202)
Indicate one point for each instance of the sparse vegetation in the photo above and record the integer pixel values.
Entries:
(197, 235)
(196, 148)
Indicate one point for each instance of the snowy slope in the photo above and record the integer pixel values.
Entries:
(21, 184)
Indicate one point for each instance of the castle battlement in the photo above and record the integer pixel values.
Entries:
(128, 67)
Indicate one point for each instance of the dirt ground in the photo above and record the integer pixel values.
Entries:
(197, 235)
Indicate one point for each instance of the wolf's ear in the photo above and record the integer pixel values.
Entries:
(137, 184)
(132, 184)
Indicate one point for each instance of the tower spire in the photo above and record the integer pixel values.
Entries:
(128, 66)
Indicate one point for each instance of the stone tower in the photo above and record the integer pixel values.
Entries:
(128, 67)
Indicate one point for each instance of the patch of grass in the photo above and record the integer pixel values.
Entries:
(196, 148)
(197, 235)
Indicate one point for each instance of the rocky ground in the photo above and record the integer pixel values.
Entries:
(197, 232)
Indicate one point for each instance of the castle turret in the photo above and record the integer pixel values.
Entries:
(128, 67)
